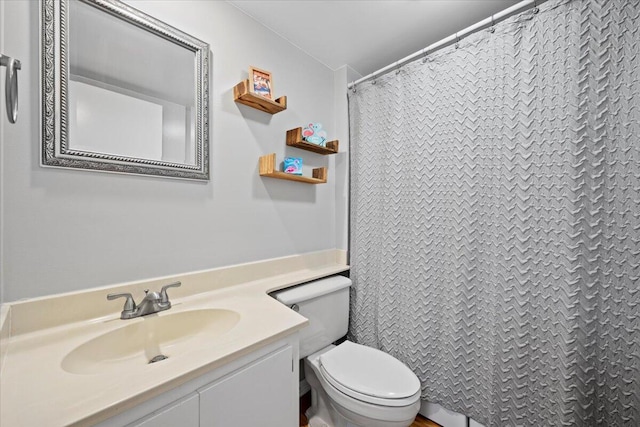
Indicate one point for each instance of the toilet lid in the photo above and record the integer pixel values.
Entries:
(369, 372)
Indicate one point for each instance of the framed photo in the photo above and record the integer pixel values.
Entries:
(260, 82)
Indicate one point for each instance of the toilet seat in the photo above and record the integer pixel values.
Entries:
(369, 375)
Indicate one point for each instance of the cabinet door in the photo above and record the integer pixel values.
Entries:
(183, 413)
(260, 394)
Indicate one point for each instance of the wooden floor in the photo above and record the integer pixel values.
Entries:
(424, 422)
(305, 403)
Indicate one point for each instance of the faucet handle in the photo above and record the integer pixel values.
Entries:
(129, 304)
(164, 298)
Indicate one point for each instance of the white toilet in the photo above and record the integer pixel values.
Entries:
(351, 385)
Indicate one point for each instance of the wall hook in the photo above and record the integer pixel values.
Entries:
(11, 86)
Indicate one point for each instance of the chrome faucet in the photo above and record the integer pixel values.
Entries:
(152, 302)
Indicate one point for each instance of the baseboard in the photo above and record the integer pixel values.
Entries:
(445, 417)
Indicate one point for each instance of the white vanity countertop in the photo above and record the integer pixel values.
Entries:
(35, 390)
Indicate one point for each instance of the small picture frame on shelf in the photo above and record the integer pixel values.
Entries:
(293, 165)
(260, 82)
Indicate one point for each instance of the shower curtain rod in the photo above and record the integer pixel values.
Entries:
(454, 38)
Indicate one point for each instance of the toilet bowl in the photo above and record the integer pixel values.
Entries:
(351, 385)
(357, 386)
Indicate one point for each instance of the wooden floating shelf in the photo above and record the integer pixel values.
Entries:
(242, 95)
(268, 168)
(294, 139)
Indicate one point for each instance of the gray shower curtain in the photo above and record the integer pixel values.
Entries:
(495, 218)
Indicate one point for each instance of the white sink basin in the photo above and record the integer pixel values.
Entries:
(137, 342)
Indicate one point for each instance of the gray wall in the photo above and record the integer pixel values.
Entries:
(66, 230)
(2, 124)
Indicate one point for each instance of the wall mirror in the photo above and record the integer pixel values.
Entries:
(122, 91)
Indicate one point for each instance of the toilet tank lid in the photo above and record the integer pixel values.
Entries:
(311, 290)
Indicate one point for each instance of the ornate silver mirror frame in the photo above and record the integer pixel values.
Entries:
(58, 151)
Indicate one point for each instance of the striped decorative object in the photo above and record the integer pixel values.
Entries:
(495, 229)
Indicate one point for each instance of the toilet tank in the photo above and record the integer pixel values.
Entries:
(325, 303)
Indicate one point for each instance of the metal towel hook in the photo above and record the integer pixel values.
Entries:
(11, 85)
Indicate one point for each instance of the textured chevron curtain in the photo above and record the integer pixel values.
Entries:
(495, 218)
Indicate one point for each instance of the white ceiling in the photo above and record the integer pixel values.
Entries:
(367, 34)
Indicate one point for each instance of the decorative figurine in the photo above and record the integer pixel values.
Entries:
(314, 134)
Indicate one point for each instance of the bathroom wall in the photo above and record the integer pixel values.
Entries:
(67, 230)
(2, 124)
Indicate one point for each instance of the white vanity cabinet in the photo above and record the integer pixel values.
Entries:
(183, 413)
(258, 389)
(257, 395)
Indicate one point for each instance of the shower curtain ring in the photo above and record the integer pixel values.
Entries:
(492, 28)
(457, 41)
(424, 56)
(353, 86)
(397, 64)
(535, 7)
